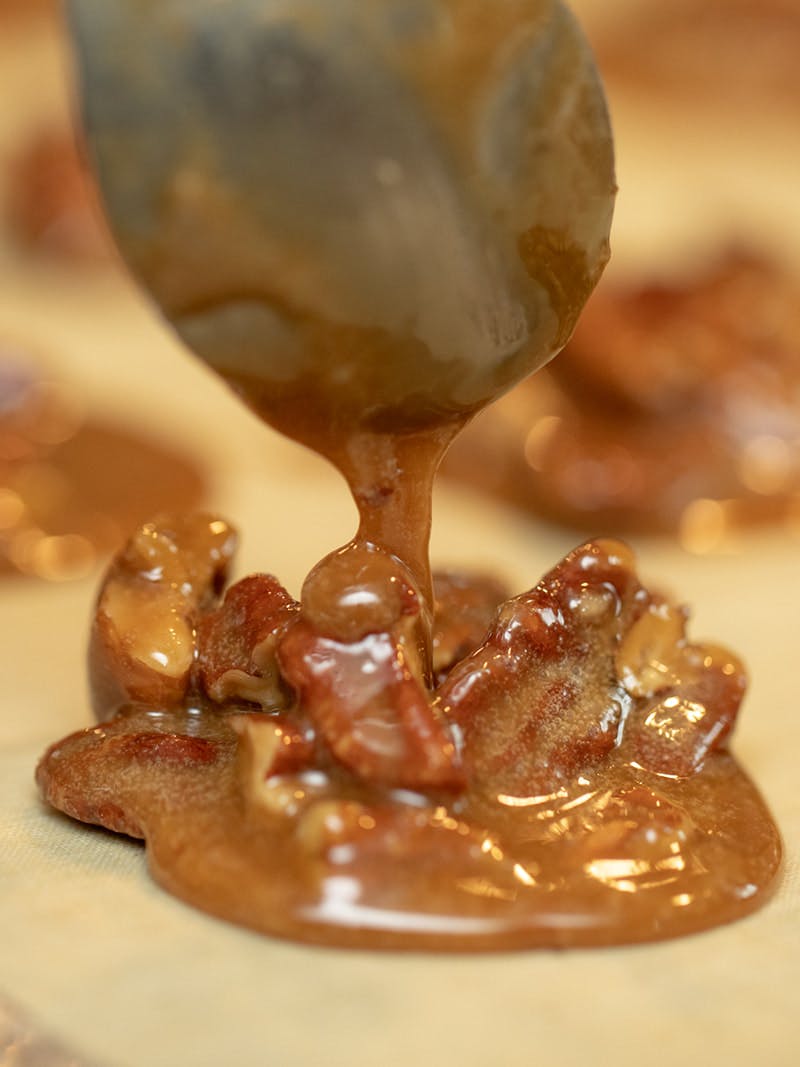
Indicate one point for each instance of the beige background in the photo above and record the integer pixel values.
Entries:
(93, 954)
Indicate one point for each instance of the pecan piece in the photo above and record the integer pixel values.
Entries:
(237, 642)
(650, 654)
(673, 733)
(356, 662)
(688, 695)
(142, 643)
(540, 699)
(110, 774)
(465, 608)
(270, 746)
(373, 713)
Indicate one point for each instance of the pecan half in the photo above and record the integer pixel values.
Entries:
(465, 607)
(373, 713)
(540, 699)
(355, 660)
(142, 643)
(237, 643)
(586, 666)
(115, 774)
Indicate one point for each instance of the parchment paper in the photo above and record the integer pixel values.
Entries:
(99, 961)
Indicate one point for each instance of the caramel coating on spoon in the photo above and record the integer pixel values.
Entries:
(364, 254)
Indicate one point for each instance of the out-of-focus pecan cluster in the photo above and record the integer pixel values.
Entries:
(729, 54)
(675, 408)
(51, 204)
(529, 692)
(11, 10)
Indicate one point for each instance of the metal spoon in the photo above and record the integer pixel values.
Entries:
(369, 212)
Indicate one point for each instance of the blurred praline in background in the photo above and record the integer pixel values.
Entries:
(676, 407)
(73, 480)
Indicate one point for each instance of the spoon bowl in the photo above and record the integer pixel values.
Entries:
(379, 213)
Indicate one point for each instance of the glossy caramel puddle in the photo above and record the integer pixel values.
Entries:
(565, 782)
(596, 863)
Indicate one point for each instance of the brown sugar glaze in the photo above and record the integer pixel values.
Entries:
(393, 761)
(564, 780)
